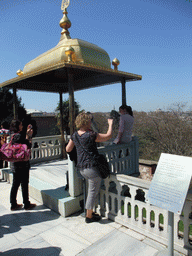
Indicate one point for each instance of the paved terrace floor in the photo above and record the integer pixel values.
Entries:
(41, 231)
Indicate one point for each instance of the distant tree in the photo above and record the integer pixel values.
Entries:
(163, 132)
(100, 120)
(65, 107)
(116, 117)
(6, 106)
(173, 133)
(143, 128)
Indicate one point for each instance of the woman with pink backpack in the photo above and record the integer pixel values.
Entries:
(20, 169)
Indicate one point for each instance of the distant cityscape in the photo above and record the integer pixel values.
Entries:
(35, 112)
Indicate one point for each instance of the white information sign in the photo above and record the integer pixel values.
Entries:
(170, 183)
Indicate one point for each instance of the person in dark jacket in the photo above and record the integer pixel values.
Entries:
(21, 169)
(85, 141)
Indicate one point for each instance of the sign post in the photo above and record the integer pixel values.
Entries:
(168, 190)
(170, 233)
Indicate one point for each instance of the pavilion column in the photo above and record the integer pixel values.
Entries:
(71, 102)
(63, 152)
(123, 91)
(15, 106)
(75, 184)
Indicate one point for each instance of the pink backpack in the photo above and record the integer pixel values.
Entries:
(14, 153)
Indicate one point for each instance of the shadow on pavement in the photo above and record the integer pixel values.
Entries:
(48, 251)
(11, 223)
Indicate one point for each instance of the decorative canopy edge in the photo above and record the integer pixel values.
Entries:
(55, 79)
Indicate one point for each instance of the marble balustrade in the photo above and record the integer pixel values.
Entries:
(122, 199)
(122, 158)
(46, 148)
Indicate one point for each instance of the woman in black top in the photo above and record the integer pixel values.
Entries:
(20, 169)
(85, 141)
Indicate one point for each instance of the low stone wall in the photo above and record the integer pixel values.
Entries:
(147, 169)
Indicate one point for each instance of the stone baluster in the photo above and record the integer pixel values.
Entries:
(118, 196)
(148, 216)
(107, 196)
(139, 213)
(133, 203)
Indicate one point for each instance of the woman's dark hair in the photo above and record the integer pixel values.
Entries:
(14, 127)
(123, 107)
(127, 108)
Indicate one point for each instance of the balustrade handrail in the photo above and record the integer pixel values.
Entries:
(49, 137)
(46, 137)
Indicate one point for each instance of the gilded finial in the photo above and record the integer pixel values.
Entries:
(69, 51)
(65, 23)
(19, 72)
(115, 63)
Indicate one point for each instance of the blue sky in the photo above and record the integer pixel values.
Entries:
(152, 38)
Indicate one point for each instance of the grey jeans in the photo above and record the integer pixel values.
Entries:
(94, 183)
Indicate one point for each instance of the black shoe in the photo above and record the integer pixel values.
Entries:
(95, 214)
(16, 207)
(93, 219)
(30, 206)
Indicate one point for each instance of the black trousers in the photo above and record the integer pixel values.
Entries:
(20, 177)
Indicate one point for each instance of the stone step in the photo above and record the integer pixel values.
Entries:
(57, 199)
(52, 172)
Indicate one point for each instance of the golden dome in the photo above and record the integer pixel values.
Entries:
(83, 52)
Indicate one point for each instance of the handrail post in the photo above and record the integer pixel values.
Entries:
(63, 152)
(123, 91)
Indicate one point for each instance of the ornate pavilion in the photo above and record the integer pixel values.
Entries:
(72, 65)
